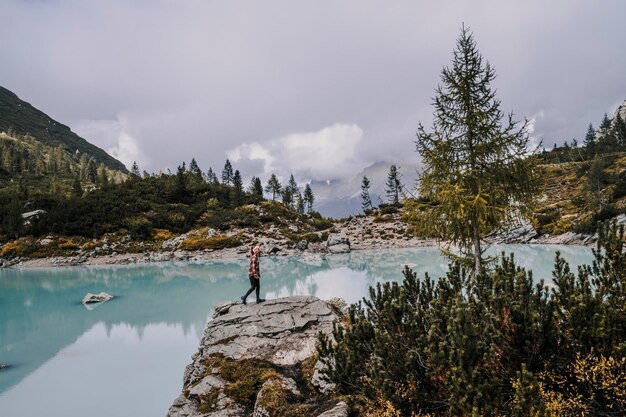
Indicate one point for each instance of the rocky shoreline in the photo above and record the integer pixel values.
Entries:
(358, 233)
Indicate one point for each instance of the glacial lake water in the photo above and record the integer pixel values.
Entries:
(126, 357)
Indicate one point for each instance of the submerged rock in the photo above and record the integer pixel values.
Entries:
(269, 348)
(96, 298)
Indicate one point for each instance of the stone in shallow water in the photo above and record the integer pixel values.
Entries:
(96, 298)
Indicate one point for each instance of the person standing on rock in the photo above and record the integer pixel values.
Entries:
(254, 274)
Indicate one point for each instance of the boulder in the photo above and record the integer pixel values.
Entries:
(174, 243)
(318, 382)
(2, 366)
(273, 250)
(96, 298)
(279, 335)
(338, 244)
(521, 232)
(302, 245)
(339, 410)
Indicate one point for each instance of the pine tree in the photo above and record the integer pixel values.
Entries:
(236, 197)
(103, 176)
(135, 170)
(287, 196)
(366, 201)
(595, 179)
(299, 203)
(194, 169)
(477, 172)
(180, 189)
(92, 171)
(256, 188)
(590, 140)
(77, 189)
(227, 173)
(393, 184)
(211, 177)
(620, 131)
(273, 187)
(309, 198)
(293, 186)
(605, 124)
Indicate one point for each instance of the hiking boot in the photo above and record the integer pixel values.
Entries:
(243, 300)
(260, 300)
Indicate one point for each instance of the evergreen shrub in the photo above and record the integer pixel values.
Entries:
(496, 344)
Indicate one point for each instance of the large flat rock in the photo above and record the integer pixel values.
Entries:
(281, 333)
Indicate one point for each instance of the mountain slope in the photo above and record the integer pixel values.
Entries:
(21, 118)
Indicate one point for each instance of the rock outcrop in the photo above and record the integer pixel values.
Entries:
(258, 360)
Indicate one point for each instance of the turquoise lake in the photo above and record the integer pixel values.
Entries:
(126, 357)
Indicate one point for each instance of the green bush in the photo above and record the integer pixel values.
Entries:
(465, 345)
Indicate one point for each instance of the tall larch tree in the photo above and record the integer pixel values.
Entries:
(478, 170)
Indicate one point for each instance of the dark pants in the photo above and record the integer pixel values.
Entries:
(255, 285)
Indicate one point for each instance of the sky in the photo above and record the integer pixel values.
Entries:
(320, 89)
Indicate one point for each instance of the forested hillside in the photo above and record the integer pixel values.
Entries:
(19, 118)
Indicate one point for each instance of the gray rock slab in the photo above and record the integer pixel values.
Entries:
(282, 332)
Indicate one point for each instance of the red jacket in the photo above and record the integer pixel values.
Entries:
(254, 271)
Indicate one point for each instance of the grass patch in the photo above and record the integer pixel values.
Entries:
(216, 242)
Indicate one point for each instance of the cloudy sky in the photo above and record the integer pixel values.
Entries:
(318, 88)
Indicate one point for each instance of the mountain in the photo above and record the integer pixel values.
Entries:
(342, 198)
(19, 117)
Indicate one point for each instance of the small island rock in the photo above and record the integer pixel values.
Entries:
(96, 298)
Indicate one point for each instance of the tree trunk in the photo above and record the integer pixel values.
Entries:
(478, 261)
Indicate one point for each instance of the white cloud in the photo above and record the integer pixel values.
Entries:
(325, 154)
(534, 140)
(197, 78)
(126, 149)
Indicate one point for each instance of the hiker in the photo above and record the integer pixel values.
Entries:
(254, 274)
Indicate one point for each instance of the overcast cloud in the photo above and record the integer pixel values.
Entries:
(320, 88)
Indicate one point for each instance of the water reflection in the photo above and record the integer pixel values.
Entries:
(131, 351)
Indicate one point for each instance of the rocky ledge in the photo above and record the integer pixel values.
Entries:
(260, 360)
